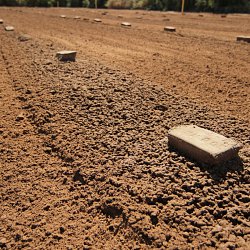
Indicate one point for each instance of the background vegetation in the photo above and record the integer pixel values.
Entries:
(190, 5)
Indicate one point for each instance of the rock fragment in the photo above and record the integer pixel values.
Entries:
(76, 17)
(243, 38)
(66, 55)
(203, 145)
(9, 28)
(62, 16)
(170, 29)
(1, 21)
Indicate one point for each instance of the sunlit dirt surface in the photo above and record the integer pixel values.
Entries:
(84, 157)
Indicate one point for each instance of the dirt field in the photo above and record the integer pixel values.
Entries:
(84, 157)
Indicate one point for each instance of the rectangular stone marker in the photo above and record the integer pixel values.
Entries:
(126, 24)
(9, 28)
(243, 38)
(170, 29)
(97, 20)
(66, 55)
(203, 145)
(24, 38)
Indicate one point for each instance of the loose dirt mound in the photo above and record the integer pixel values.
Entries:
(84, 158)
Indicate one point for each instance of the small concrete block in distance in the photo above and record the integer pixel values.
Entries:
(9, 28)
(243, 38)
(1, 21)
(97, 20)
(203, 145)
(63, 16)
(66, 55)
(126, 24)
(170, 29)
(24, 38)
(76, 17)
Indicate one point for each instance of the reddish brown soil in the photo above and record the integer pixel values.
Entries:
(83, 152)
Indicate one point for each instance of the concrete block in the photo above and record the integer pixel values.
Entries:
(203, 145)
(126, 24)
(243, 38)
(24, 38)
(76, 17)
(169, 29)
(9, 28)
(1, 21)
(66, 55)
(97, 20)
(62, 16)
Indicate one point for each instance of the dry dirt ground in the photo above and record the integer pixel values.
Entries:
(84, 157)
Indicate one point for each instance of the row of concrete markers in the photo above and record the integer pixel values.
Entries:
(197, 143)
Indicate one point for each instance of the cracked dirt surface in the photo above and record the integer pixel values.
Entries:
(84, 158)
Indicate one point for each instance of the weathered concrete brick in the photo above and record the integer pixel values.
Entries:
(243, 38)
(203, 145)
(9, 28)
(24, 38)
(97, 20)
(126, 24)
(170, 29)
(66, 55)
